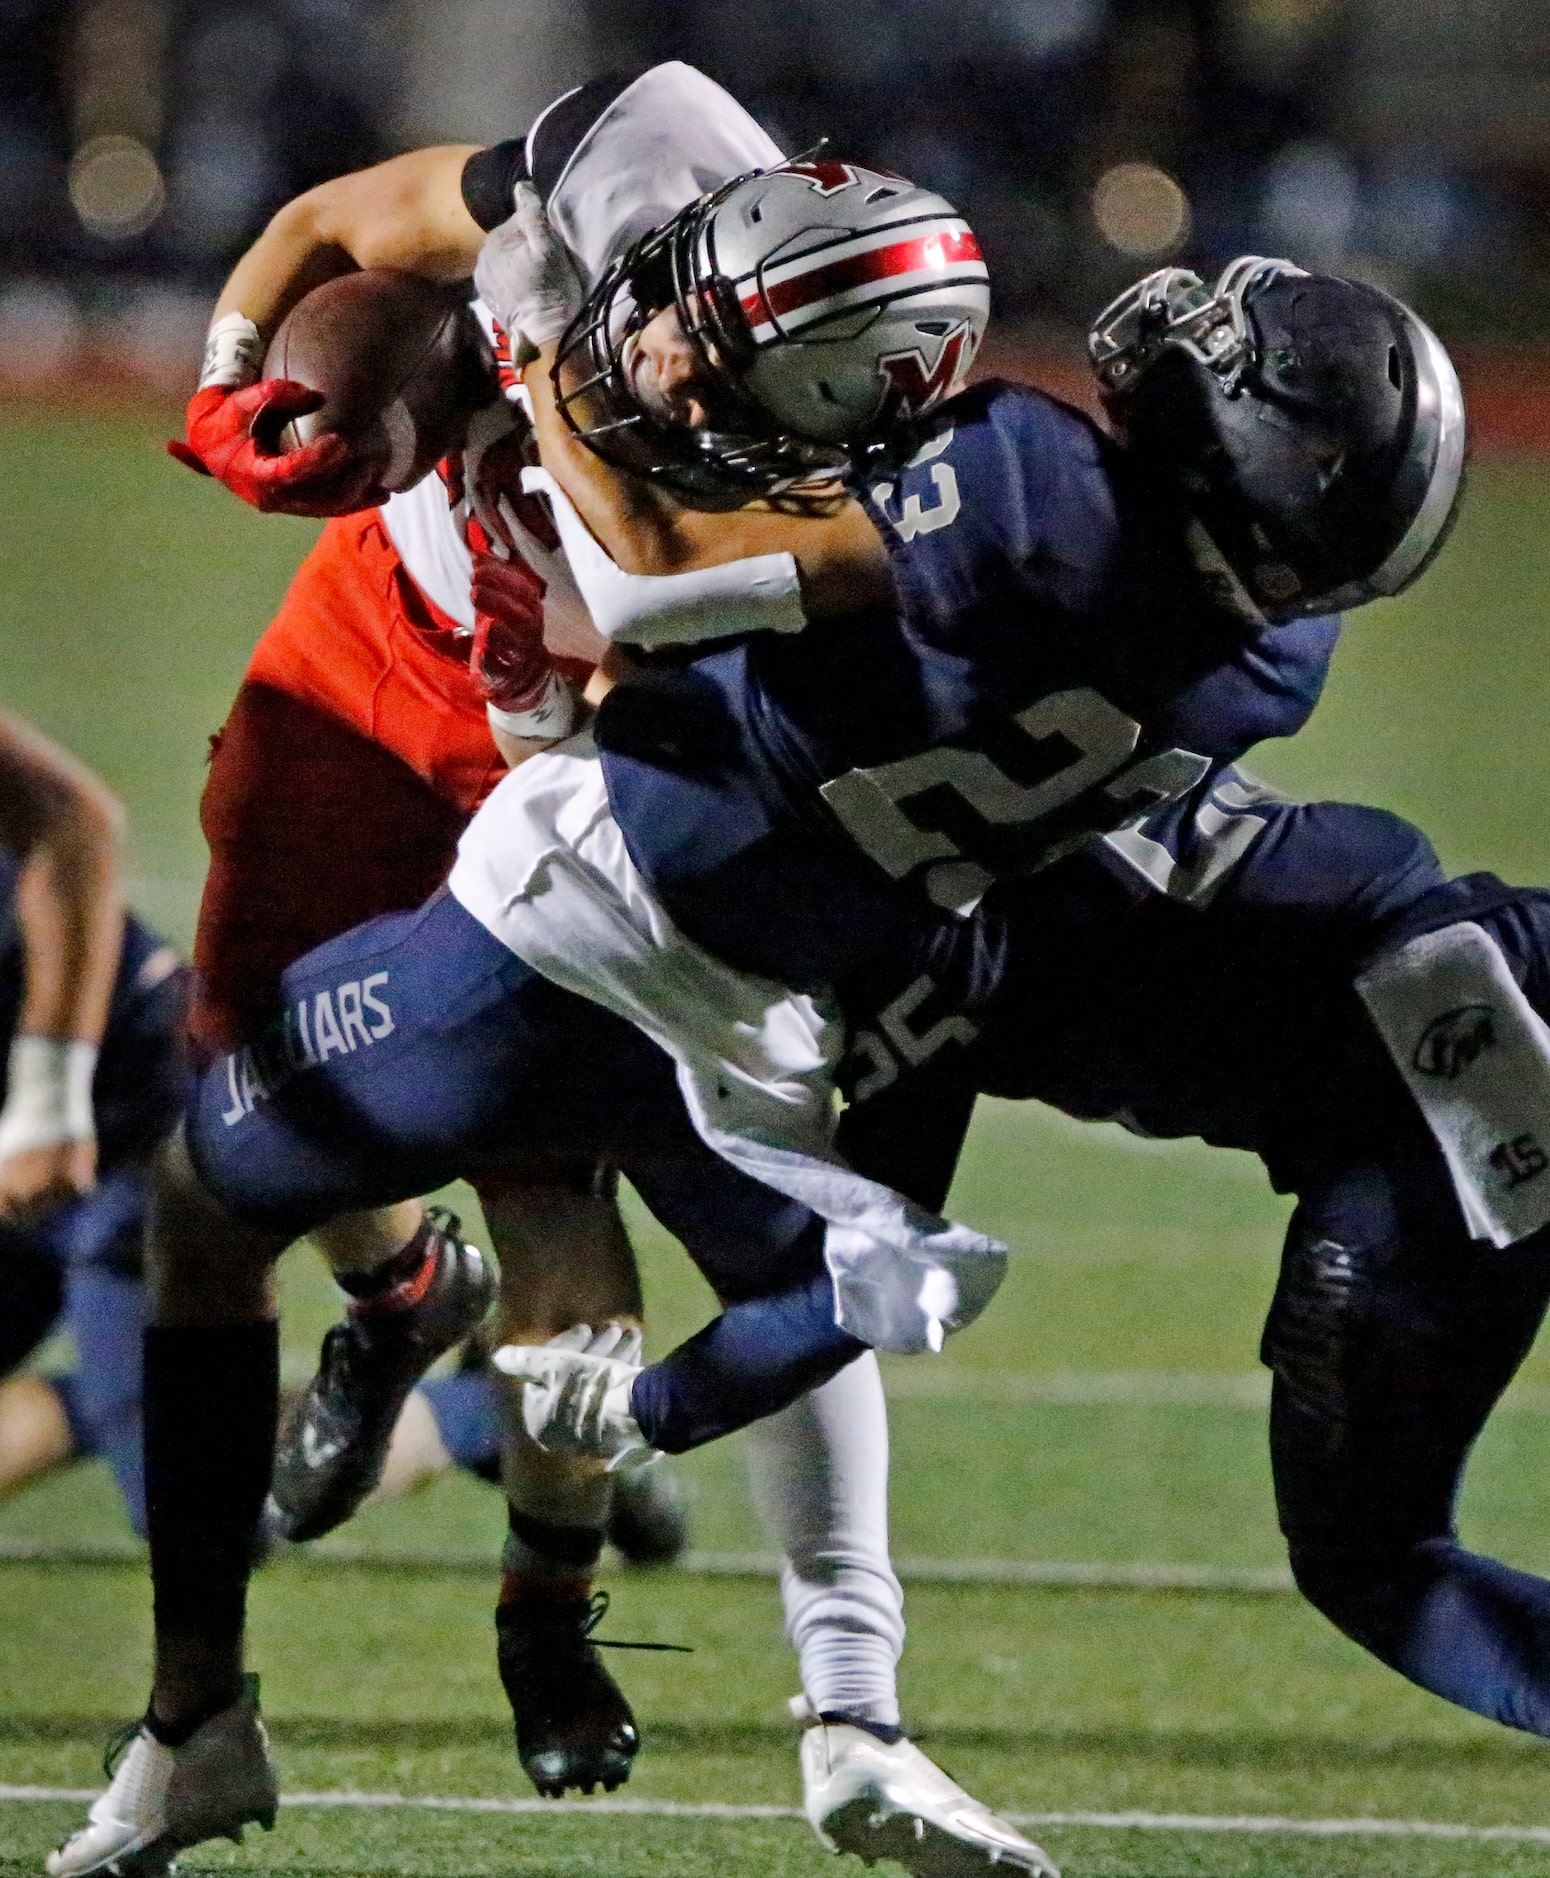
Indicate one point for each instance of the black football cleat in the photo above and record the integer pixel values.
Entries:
(333, 1443)
(648, 1521)
(573, 1726)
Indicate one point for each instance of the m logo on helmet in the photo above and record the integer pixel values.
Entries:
(824, 174)
(911, 387)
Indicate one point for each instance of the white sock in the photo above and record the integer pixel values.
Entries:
(820, 1482)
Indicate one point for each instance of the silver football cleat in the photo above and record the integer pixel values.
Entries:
(882, 1800)
(162, 1800)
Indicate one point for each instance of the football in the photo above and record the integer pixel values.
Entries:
(401, 363)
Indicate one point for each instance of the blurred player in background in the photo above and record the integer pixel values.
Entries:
(91, 1013)
(92, 1008)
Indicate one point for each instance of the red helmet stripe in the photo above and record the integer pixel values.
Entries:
(937, 250)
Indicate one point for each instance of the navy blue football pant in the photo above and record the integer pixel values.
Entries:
(79, 1269)
(417, 1049)
(1390, 1339)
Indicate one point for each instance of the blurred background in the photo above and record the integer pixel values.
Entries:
(144, 142)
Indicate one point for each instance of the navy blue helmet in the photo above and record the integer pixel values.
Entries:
(1313, 426)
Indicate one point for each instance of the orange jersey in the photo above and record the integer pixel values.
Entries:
(356, 749)
(357, 639)
(358, 745)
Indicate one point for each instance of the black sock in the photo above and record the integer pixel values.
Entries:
(174, 1737)
(392, 1271)
(211, 1400)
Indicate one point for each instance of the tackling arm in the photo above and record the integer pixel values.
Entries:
(66, 827)
(841, 562)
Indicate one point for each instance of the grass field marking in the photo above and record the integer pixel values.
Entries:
(1080, 1388)
(1032, 1573)
(922, 1381)
(1121, 1388)
(1301, 1828)
(727, 1809)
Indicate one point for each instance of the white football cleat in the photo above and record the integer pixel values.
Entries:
(162, 1800)
(879, 1800)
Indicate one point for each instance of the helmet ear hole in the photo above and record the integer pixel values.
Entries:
(1395, 376)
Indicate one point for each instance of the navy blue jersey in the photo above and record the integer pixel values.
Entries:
(1052, 668)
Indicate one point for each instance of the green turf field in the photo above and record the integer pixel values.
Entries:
(1108, 1411)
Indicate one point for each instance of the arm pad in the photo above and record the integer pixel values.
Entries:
(759, 594)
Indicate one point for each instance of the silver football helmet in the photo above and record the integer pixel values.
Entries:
(828, 306)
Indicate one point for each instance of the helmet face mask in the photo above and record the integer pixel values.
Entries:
(1313, 426)
(797, 292)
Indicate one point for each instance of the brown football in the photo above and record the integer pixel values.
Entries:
(401, 363)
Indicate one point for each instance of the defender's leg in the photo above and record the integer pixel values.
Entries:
(415, 1289)
(1391, 1337)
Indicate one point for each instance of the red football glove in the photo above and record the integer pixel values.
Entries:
(225, 428)
(509, 661)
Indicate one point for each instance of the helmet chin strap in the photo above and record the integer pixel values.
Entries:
(1227, 590)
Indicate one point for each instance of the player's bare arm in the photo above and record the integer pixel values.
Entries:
(66, 828)
(406, 213)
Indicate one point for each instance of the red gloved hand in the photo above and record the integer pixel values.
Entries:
(509, 661)
(320, 478)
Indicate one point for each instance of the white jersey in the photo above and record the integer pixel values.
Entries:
(662, 142)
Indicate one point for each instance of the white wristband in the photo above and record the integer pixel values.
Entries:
(234, 353)
(48, 1094)
(545, 722)
(758, 594)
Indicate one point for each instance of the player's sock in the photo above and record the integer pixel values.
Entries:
(398, 1282)
(211, 1398)
(820, 1480)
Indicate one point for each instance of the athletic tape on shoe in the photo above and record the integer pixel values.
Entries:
(1475, 1054)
